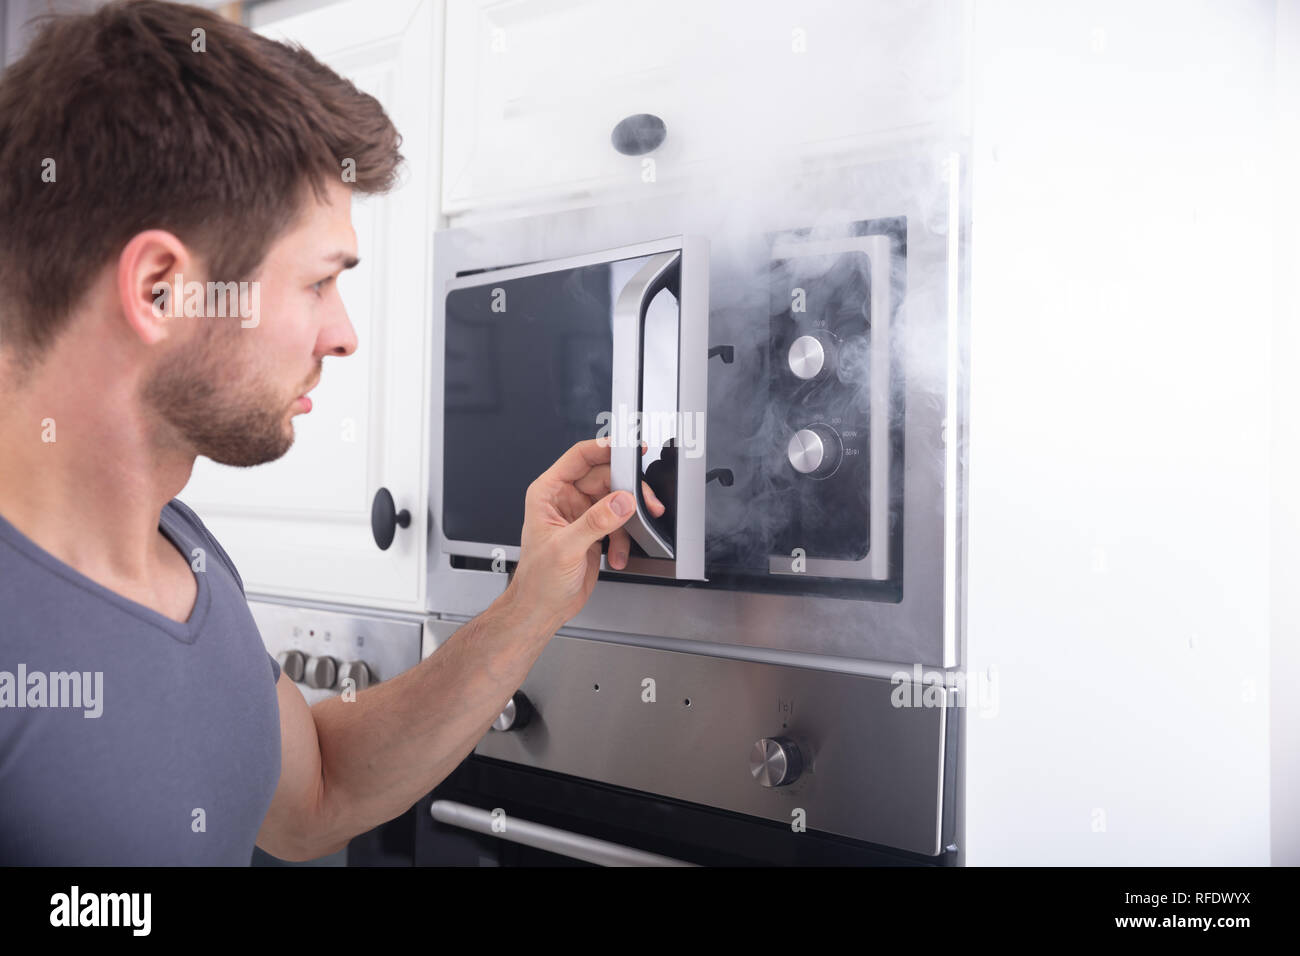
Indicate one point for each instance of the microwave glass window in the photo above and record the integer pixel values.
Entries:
(528, 374)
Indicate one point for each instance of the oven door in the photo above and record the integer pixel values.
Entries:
(541, 356)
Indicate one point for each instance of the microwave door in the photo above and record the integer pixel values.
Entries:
(541, 356)
(659, 395)
(628, 417)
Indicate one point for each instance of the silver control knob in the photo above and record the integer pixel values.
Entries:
(320, 672)
(807, 357)
(518, 711)
(291, 663)
(815, 451)
(775, 761)
(358, 671)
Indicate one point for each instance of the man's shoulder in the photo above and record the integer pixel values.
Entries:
(185, 515)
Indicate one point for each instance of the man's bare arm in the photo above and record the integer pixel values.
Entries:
(351, 765)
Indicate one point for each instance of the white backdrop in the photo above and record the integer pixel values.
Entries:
(1128, 379)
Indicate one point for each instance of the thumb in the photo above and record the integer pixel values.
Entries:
(600, 519)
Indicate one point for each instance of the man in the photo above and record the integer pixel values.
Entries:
(140, 720)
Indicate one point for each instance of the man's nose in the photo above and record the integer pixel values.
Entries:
(338, 337)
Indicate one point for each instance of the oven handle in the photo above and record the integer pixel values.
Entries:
(660, 271)
(564, 842)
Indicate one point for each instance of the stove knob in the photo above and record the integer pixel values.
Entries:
(358, 671)
(775, 761)
(517, 713)
(815, 451)
(320, 672)
(807, 357)
(291, 662)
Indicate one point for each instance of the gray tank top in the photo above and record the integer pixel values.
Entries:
(126, 737)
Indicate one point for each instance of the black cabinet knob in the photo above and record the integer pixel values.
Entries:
(385, 518)
(638, 134)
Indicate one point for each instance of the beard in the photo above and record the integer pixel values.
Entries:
(217, 405)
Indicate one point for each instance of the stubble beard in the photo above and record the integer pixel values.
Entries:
(237, 419)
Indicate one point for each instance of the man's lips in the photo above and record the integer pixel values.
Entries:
(302, 401)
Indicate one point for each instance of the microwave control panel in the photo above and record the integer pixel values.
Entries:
(820, 379)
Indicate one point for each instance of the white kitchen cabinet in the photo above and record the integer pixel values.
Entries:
(535, 88)
(300, 526)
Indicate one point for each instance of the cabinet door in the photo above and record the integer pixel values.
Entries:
(537, 88)
(301, 526)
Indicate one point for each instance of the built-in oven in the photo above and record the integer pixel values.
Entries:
(781, 647)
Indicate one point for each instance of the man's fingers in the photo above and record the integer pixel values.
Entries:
(579, 460)
(581, 474)
(602, 518)
(651, 499)
(620, 546)
(571, 502)
(596, 483)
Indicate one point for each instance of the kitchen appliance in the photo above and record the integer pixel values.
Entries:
(779, 653)
(327, 652)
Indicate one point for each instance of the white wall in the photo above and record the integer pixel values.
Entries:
(262, 12)
(1285, 502)
(17, 13)
(1122, 309)
(14, 15)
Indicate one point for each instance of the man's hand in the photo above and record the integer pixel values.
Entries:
(567, 511)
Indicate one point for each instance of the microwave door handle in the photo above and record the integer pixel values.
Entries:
(624, 457)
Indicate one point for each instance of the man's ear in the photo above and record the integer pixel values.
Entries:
(150, 292)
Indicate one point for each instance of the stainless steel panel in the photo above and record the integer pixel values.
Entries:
(387, 644)
(874, 771)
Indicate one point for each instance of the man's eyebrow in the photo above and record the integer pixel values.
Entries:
(347, 259)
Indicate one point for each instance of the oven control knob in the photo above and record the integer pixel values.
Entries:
(517, 713)
(775, 761)
(359, 673)
(291, 663)
(320, 672)
(807, 357)
(815, 451)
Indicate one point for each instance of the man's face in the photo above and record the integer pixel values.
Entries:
(230, 389)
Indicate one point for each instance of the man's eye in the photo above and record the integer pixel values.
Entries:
(319, 287)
